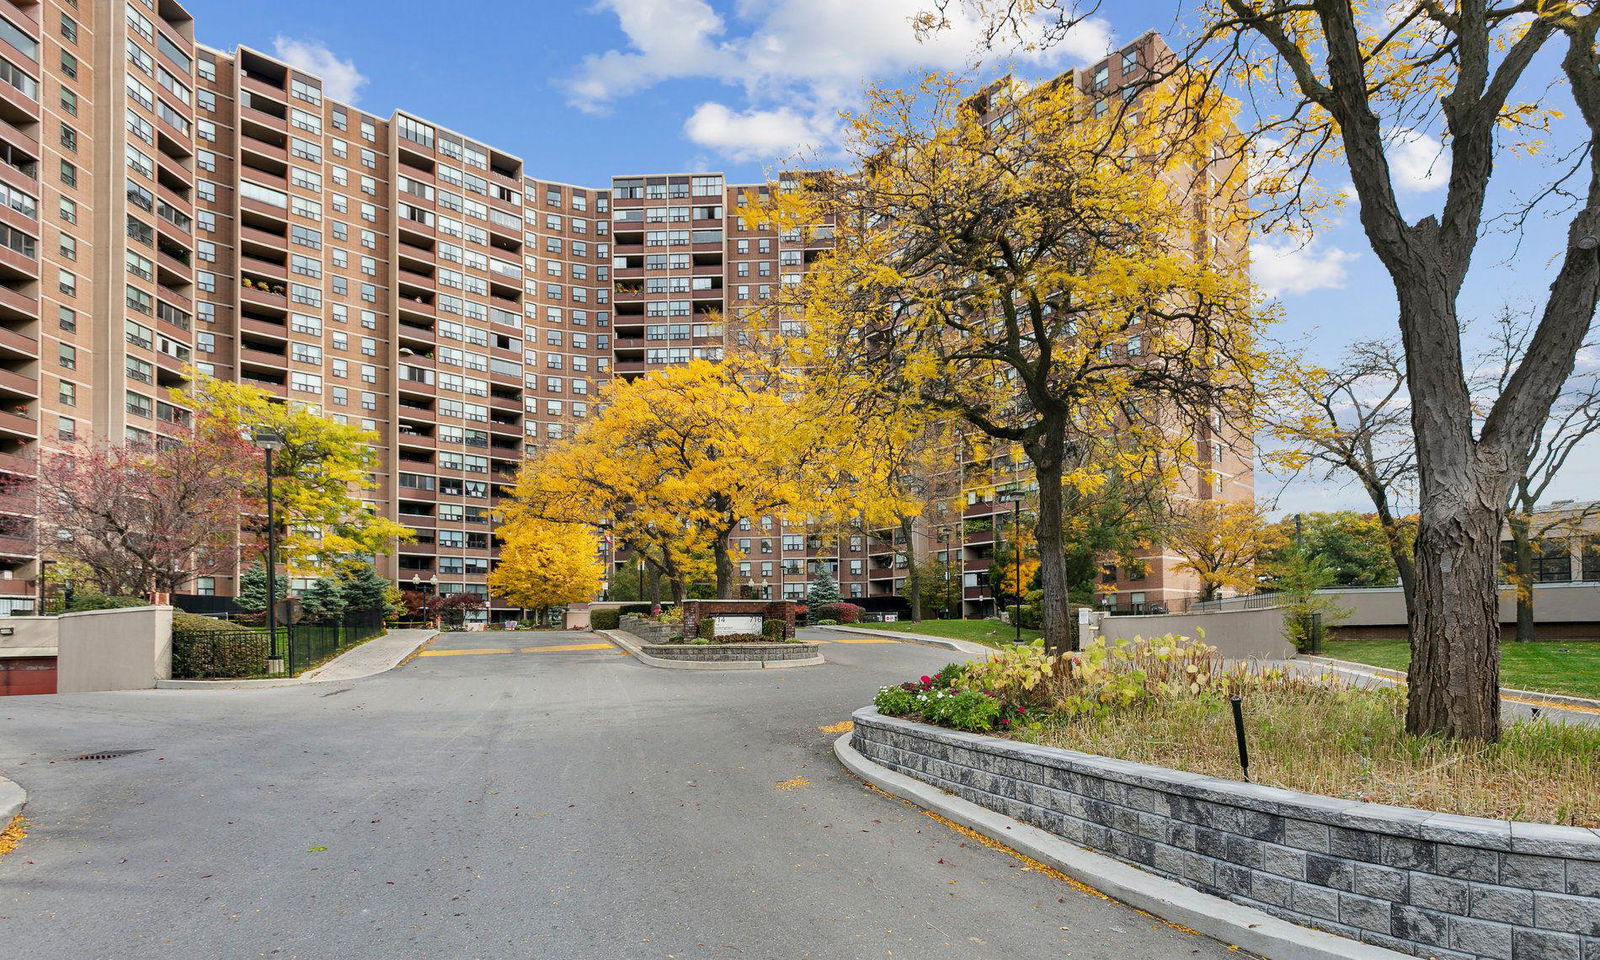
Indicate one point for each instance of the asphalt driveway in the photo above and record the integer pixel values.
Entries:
(511, 796)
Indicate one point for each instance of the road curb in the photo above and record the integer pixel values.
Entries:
(12, 799)
(313, 677)
(1215, 917)
(943, 643)
(624, 640)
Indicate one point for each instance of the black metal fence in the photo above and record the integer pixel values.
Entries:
(234, 651)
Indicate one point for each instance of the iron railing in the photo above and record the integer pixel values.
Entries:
(244, 652)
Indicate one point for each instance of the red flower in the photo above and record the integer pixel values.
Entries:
(1005, 722)
(927, 681)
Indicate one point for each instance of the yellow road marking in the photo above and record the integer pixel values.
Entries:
(568, 647)
(476, 651)
(844, 727)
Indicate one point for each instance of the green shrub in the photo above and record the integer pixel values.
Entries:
(700, 641)
(203, 647)
(640, 608)
(604, 619)
(90, 599)
(968, 710)
(775, 630)
(895, 701)
(707, 628)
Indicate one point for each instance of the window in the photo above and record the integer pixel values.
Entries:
(67, 319)
(69, 29)
(67, 356)
(67, 283)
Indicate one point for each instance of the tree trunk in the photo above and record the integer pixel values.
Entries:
(725, 568)
(1454, 676)
(914, 577)
(1060, 634)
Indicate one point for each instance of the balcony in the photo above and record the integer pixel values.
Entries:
(18, 466)
(17, 384)
(14, 344)
(16, 305)
(18, 547)
(263, 327)
(252, 356)
(274, 295)
(15, 424)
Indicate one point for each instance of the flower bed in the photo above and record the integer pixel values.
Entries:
(1165, 702)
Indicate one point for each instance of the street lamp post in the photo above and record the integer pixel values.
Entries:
(1015, 496)
(269, 440)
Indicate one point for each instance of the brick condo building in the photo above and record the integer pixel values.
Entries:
(168, 206)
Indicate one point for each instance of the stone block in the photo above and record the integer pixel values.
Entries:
(1420, 926)
(1440, 893)
(1466, 863)
(1271, 890)
(1481, 938)
(1284, 861)
(1355, 844)
(1329, 872)
(1554, 911)
(1384, 883)
(1314, 901)
(1502, 904)
(1583, 878)
(1534, 873)
(1541, 945)
(1306, 835)
(1406, 854)
(1368, 913)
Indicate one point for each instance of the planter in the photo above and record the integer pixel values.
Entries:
(1424, 883)
(732, 652)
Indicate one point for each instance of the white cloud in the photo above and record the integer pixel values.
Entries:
(1419, 162)
(797, 61)
(757, 134)
(1285, 267)
(340, 78)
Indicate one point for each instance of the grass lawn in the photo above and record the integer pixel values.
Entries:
(992, 632)
(1570, 667)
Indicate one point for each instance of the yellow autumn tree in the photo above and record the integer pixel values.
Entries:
(1221, 543)
(1014, 260)
(318, 475)
(544, 565)
(673, 462)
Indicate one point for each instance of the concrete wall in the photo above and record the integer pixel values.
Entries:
(128, 649)
(1432, 885)
(1235, 633)
(27, 637)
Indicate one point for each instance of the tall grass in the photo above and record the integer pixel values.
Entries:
(1323, 737)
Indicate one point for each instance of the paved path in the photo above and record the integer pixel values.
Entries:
(511, 796)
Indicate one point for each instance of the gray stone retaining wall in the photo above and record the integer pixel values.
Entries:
(732, 652)
(649, 630)
(1427, 884)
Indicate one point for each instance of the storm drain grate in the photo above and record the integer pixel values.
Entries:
(107, 754)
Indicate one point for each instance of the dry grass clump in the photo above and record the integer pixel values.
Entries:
(1165, 702)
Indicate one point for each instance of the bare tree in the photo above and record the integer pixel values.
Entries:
(1574, 418)
(1356, 419)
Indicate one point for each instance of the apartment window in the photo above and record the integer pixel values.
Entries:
(305, 382)
(67, 246)
(67, 283)
(67, 319)
(302, 90)
(69, 101)
(66, 428)
(69, 63)
(139, 370)
(69, 139)
(138, 404)
(67, 356)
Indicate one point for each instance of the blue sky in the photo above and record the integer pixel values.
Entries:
(582, 91)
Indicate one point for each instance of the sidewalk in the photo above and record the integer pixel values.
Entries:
(369, 659)
(943, 643)
(1522, 702)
